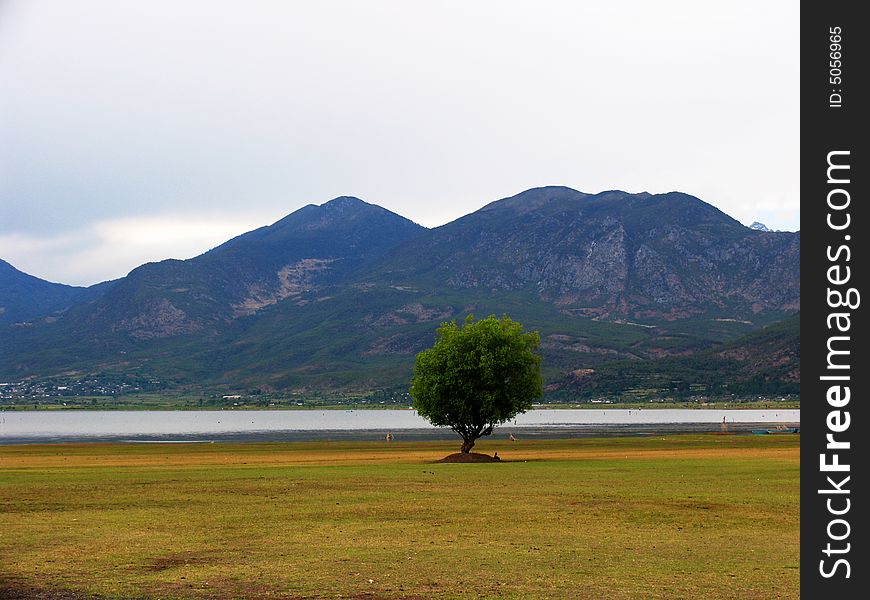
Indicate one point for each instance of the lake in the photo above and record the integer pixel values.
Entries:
(277, 425)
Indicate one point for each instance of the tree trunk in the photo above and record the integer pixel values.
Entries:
(467, 445)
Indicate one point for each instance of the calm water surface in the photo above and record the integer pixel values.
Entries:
(23, 426)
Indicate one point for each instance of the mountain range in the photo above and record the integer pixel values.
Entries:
(340, 297)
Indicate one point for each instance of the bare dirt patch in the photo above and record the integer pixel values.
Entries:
(20, 590)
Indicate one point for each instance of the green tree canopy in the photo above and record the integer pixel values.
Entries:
(477, 376)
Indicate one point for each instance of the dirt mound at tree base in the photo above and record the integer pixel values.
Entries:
(471, 457)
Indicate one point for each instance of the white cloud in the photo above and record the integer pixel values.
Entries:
(113, 109)
(112, 248)
(776, 211)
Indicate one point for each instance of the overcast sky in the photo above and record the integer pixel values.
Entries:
(133, 131)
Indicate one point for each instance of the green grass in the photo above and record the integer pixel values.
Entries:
(673, 517)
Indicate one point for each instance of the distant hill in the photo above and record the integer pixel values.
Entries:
(339, 297)
(24, 297)
(765, 362)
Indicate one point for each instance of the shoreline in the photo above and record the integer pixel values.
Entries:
(724, 405)
(501, 434)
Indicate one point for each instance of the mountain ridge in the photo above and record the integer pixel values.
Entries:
(24, 297)
(612, 252)
(343, 294)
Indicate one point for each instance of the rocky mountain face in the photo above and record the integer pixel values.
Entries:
(290, 261)
(343, 295)
(665, 256)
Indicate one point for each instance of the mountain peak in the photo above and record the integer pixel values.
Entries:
(323, 215)
(535, 198)
(344, 226)
(622, 195)
(758, 226)
(345, 202)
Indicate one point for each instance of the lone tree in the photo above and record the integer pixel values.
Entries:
(477, 376)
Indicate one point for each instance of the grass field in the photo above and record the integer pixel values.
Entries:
(693, 516)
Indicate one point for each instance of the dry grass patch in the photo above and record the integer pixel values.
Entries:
(665, 517)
